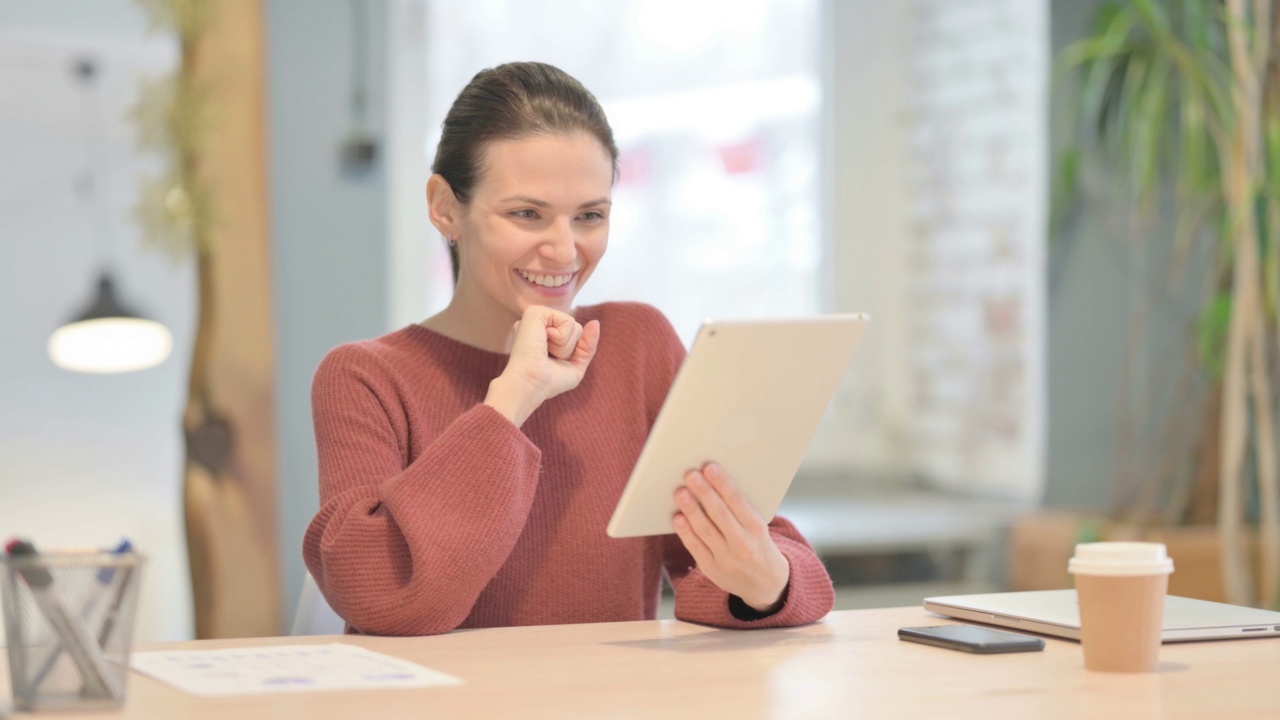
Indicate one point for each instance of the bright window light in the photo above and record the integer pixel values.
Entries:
(716, 107)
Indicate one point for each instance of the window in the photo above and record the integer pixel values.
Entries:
(784, 157)
(716, 109)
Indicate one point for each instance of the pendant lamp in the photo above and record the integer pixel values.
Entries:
(107, 337)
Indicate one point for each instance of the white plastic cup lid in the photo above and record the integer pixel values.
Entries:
(1121, 558)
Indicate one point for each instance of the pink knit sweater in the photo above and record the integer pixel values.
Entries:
(438, 513)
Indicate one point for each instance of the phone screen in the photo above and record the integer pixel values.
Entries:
(971, 638)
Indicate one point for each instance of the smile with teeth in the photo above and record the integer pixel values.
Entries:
(550, 281)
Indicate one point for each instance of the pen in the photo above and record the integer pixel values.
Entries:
(104, 576)
(71, 632)
(113, 612)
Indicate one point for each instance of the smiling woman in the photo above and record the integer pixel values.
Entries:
(469, 463)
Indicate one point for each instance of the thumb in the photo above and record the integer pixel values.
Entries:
(587, 345)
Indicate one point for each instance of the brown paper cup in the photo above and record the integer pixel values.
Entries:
(1120, 621)
(1121, 589)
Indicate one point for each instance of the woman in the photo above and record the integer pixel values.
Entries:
(469, 464)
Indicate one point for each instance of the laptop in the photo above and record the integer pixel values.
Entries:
(1055, 612)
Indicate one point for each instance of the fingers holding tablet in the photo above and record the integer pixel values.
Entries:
(728, 539)
(731, 493)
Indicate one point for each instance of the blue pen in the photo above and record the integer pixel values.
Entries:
(113, 612)
(105, 575)
(70, 631)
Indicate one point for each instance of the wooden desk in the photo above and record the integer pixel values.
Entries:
(850, 666)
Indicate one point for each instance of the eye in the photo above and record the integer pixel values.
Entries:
(525, 214)
(593, 216)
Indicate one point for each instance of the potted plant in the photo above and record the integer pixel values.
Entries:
(1181, 99)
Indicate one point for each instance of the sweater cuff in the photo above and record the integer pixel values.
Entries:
(744, 612)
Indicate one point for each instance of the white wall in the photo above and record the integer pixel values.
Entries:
(86, 459)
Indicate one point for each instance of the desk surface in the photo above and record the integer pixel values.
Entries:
(849, 665)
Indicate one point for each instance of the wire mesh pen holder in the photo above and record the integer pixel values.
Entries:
(69, 621)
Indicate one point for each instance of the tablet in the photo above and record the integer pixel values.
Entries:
(749, 396)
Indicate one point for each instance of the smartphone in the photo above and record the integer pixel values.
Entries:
(971, 638)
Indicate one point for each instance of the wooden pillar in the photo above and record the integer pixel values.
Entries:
(230, 484)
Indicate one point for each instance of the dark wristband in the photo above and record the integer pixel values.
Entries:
(739, 609)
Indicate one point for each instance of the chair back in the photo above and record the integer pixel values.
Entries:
(314, 616)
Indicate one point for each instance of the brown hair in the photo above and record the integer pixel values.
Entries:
(514, 100)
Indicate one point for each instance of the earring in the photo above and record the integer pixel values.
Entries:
(453, 241)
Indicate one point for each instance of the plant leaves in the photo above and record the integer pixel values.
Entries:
(1211, 335)
(1065, 191)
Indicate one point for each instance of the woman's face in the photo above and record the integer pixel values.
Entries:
(537, 223)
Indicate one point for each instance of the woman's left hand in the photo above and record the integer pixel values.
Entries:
(728, 539)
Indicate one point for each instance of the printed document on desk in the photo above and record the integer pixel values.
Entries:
(284, 668)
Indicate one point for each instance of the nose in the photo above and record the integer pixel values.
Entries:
(559, 245)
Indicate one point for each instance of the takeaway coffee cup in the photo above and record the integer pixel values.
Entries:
(1121, 587)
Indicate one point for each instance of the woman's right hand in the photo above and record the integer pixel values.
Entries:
(550, 352)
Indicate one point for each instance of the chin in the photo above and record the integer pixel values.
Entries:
(555, 304)
(564, 306)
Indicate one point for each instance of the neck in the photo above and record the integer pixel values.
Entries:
(486, 326)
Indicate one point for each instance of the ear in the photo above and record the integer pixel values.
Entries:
(443, 206)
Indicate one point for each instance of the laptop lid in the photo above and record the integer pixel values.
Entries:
(1055, 612)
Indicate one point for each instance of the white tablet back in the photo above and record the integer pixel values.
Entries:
(749, 397)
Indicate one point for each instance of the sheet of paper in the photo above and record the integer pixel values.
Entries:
(284, 668)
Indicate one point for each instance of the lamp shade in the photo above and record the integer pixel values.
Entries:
(107, 338)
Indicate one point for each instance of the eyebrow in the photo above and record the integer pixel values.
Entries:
(544, 204)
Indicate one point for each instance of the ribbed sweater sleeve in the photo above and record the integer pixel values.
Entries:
(402, 548)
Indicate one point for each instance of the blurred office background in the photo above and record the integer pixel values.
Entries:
(779, 157)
